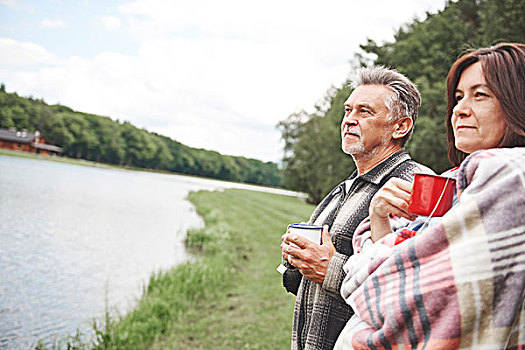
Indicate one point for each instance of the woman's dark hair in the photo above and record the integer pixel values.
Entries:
(504, 71)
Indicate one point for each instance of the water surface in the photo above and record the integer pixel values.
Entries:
(75, 238)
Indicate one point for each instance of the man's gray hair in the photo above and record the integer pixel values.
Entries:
(405, 98)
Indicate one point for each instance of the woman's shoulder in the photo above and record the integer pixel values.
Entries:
(485, 164)
(505, 156)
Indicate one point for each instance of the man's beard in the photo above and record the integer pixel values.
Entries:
(354, 149)
(358, 150)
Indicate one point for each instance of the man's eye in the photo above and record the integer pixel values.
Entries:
(348, 109)
(365, 111)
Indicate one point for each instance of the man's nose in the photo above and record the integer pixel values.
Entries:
(349, 119)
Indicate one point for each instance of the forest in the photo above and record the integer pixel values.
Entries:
(101, 139)
(423, 50)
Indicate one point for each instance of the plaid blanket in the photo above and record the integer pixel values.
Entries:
(458, 284)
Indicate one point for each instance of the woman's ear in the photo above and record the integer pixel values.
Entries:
(402, 127)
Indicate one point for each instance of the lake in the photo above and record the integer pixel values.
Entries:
(74, 239)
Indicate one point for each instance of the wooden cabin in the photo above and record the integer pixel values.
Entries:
(25, 141)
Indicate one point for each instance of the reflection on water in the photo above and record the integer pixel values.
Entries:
(72, 237)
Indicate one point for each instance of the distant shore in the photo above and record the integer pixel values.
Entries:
(84, 162)
(60, 159)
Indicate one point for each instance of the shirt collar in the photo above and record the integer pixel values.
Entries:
(384, 168)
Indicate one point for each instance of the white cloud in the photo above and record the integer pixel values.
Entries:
(21, 54)
(111, 22)
(53, 23)
(8, 2)
(216, 75)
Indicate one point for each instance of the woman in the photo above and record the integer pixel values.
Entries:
(484, 110)
(461, 282)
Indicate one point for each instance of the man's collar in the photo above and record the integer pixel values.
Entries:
(384, 168)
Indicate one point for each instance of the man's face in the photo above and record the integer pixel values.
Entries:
(364, 128)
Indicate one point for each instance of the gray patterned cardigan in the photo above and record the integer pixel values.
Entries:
(320, 312)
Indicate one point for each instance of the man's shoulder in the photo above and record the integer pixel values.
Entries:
(397, 165)
(406, 170)
(411, 166)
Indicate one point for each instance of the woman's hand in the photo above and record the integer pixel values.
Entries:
(393, 198)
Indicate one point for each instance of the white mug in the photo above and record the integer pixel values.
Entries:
(310, 232)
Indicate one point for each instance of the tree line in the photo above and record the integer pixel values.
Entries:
(423, 50)
(101, 139)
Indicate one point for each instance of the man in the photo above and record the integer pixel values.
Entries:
(379, 118)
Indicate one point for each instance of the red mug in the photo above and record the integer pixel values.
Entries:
(432, 195)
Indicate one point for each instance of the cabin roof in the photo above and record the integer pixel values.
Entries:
(16, 136)
(24, 136)
(50, 148)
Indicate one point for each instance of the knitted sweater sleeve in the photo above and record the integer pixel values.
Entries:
(335, 274)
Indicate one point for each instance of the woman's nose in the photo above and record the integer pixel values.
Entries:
(462, 108)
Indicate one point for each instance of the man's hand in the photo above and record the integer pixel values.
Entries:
(393, 198)
(310, 258)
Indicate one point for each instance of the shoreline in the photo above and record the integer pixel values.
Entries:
(83, 162)
(228, 295)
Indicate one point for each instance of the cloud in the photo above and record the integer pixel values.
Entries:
(215, 75)
(23, 54)
(111, 22)
(208, 93)
(10, 3)
(53, 23)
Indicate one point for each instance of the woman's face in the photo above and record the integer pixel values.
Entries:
(477, 118)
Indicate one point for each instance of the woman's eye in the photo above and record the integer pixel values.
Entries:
(480, 94)
(459, 98)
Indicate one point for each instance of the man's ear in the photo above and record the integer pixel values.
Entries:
(402, 127)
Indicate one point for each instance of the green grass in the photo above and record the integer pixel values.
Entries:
(229, 296)
(250, 310)
(67, 160)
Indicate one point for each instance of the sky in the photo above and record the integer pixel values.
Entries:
(211, 74)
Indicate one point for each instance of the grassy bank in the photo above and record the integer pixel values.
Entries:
(76, 161)
(66, 160)
(230, 296)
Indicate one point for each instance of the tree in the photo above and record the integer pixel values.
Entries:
(502, 20)
(88, 136)
(423, 50)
